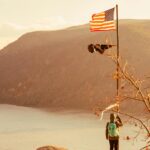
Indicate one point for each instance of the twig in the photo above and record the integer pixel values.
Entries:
(145, 147)
(128, 97)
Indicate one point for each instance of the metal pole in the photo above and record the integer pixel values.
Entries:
(117, 69)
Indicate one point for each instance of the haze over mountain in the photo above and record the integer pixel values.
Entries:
(54, 68)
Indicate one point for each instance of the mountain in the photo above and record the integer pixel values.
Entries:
(54, 68)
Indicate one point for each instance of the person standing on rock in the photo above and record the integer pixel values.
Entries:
(112, 131)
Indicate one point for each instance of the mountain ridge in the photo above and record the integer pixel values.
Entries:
(54, 68)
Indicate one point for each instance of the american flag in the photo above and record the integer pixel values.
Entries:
(103, 21)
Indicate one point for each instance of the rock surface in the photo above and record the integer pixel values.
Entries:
(50, 148)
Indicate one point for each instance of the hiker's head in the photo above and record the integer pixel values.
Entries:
(112, 117)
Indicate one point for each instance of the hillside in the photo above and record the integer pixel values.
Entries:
(54, 68)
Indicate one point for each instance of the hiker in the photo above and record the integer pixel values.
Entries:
(112, 131)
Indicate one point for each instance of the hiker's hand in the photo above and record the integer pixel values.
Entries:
(117, 117)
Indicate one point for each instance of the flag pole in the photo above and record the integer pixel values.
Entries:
(117, 68)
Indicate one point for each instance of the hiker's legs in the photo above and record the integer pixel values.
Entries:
(116, 144)
(111, 142)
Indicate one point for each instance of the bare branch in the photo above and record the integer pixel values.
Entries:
(131, 116)
(145, 147)
(128, 97)
(134, 82)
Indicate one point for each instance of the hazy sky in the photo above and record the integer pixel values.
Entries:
(20, 16)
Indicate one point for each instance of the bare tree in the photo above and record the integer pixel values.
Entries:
(135, 91)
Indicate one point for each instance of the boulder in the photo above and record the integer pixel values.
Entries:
(50, 148)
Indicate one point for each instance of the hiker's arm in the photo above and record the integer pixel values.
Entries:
(119, 122)
(106, 131)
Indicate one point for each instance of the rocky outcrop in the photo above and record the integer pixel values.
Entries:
(50, 148)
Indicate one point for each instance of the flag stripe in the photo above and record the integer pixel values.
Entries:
(105, 26)
(103, 21)
(98, 17)
(99, 14)
(108, 27)
(93, 30)
(93, 23)
(102, 26)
